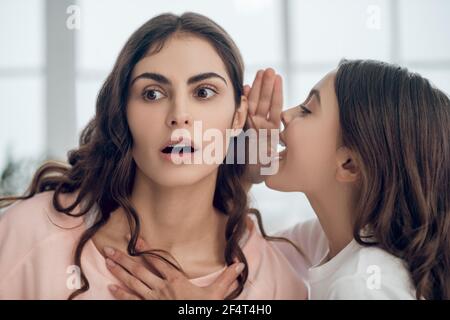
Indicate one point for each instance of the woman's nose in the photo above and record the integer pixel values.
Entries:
(179, 118)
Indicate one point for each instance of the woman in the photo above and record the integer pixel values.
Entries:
(61, 239)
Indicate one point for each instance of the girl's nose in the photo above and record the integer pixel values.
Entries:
(288, 115)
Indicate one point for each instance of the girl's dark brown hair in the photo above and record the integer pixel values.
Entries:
(398, 125)
(102, 169)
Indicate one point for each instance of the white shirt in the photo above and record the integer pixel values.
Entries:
(356, 272)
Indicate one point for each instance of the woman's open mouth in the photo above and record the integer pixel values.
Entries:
(180, 148)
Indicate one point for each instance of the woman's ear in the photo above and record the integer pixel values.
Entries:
(347, 169)
(240, 116)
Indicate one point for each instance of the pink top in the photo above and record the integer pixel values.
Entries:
(36, 258)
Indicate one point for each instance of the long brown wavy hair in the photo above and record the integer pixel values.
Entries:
(398, 124)
(102, 169)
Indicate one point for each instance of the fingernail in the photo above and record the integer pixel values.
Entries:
(139, 243)
(240, 267)
(112, 287)
(110, 263)
(109, 251)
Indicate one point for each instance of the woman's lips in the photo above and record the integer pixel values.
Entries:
(177, 150)
(179, 142)
(174, 156)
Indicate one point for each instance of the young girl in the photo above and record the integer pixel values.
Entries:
(370, 148)
(61, 240)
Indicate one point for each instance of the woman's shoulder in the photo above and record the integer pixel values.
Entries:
(33, 224)
(308, 233)
(38, 212)
(269, 269)
(307, 236)
(310, 238)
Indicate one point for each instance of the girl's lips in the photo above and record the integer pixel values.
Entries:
(282, 154)
(282, 142)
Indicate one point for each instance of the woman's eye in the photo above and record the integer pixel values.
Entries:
(304, 110)
(152, 95)
(205, 93)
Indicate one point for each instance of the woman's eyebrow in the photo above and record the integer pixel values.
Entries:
(203, 76)
(153, 76)
(162, 79)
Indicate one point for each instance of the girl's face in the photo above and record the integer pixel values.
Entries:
(182, 85)
(311, 137)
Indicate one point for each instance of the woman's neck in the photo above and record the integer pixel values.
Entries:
(334, 207)
(177, 217)
(180, 220)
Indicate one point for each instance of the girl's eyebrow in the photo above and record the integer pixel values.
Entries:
(314, 92)
(163, 80)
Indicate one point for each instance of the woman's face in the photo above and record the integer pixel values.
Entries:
(311, 136)
(184, 85)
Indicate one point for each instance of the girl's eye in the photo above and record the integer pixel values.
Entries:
(153, 95)
(205, 93)
(304, 110)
